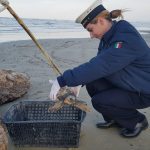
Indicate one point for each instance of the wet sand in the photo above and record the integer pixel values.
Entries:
(24, 56)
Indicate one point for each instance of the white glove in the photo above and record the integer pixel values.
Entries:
(54, 89)
(4, 2)
(76, 90)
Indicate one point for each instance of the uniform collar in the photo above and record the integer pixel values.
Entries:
(107, 36)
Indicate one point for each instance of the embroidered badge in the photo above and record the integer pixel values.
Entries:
(118, 45)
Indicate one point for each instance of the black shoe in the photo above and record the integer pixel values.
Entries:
(136, 131)
(107, 124)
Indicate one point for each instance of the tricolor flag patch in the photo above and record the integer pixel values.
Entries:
(118, 45)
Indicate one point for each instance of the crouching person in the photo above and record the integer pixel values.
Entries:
(118, 78)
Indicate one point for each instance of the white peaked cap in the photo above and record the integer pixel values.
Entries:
(90, 13)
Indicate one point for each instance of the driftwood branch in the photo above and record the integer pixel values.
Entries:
(65, 96)
(79, 104)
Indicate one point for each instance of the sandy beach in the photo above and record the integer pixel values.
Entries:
(24, 56)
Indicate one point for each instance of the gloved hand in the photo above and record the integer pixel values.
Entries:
(76, 90)
(4, 2)
(54, 89)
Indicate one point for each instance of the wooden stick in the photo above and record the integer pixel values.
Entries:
(48, 58)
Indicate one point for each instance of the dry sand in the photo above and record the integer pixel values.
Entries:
(24, 56)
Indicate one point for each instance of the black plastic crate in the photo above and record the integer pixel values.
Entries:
(30, 124)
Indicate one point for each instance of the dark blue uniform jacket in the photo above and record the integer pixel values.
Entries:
(127, 67)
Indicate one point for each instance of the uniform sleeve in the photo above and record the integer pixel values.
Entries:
(106, 63)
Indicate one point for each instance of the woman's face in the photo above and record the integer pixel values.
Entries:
(98, 29)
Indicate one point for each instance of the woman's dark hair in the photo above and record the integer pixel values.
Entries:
(116, 14)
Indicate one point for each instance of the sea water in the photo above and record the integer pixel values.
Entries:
(10, 30)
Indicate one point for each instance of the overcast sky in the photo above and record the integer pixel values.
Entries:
(70, 9)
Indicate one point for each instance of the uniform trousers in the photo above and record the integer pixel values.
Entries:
(117, 104)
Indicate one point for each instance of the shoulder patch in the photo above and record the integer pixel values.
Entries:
(118, 45)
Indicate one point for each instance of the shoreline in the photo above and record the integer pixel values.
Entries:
(78, 35)
(43, 39)
(24, 56)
